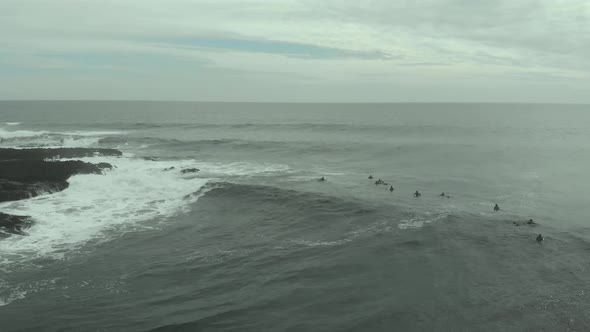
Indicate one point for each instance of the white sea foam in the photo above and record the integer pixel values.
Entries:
(12, 123)
(91, 133)
(13, 292)
(319, 243)
(123, 199)
(420, 221)
(413, 223)
(240, 169)
(79, 142)
(9, 134)
(12, 295)
(48, 139)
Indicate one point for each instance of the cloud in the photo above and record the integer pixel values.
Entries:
(290, 49)
(298, 49)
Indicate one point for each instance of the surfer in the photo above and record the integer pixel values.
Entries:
(496, 207)
(531, 222)
(443, 195)
(370, 177)
(378, 182)
(417, 194)
(391, 189)
(322, 179)
(540, 238)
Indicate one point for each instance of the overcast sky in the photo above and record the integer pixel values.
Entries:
(296, 50)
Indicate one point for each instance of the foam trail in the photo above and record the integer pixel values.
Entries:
(92, 133)
(75, 142)
(18, 291)
(241, 169)
(421, 221)
(94, 205)
(48, 139)
(9, 134)
(12, 123)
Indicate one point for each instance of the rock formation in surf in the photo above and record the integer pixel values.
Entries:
(190, 170)
(10, 224)
(31, 171)
(14, 191)
(26, 173)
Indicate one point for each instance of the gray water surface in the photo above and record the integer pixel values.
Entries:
(254, 243)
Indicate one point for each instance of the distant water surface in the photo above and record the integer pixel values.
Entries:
(253, 242)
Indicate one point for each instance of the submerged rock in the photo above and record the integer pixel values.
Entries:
(104, 166)
(190, 170)
(11, 224)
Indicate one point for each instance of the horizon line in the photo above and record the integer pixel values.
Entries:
(294, 102)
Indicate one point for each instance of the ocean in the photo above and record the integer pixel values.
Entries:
(254, 242)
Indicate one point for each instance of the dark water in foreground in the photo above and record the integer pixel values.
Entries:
(254, 243)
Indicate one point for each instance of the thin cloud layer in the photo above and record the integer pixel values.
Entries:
(296, 50)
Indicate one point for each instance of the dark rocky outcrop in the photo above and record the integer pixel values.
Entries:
(20, 179)
(26, 173)
(40, 154)
(104, 166)
(14, 191)
(44, 171)
(10, 224)
(190, 170)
